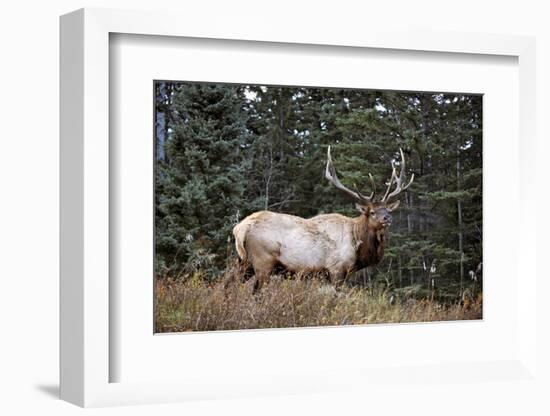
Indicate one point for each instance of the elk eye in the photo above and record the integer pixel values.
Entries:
(372, 213)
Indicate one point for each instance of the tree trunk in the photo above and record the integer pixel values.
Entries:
(268, 177)
(409, 199)
(460, 225)
(399, 271)
(160, 121)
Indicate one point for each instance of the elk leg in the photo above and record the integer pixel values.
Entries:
(336, 278)
(262, 270)
(261, 280)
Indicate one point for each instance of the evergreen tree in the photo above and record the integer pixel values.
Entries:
(200, 188)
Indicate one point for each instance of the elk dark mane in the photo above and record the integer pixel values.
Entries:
(370, 244)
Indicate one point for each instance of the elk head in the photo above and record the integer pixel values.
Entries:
(378, 213)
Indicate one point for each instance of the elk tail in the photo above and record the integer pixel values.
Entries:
(239, 232)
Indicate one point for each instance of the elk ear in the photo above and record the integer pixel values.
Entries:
(362, 209)
(393, 206)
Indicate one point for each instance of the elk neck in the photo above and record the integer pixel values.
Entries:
(369, 242)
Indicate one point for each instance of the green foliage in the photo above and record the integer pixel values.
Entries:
(229, 150)
(202, 181)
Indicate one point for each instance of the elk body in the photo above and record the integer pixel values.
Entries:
(334, 243)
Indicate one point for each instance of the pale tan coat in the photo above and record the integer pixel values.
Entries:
(324, 242)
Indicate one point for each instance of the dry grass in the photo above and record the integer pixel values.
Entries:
(194, 304)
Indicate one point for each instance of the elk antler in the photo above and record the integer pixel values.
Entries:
(397, 179)
(330, 174)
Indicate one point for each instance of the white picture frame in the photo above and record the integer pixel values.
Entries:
(85, 217)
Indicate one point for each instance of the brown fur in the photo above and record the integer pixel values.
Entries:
(370, 242)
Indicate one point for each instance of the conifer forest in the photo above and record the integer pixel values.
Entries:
(225, 151)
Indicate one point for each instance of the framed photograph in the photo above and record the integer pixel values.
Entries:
(232, 161)
(286, 213)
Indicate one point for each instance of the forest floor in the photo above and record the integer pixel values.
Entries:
(194, 304)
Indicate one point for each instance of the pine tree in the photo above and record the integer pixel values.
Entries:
(201, 186)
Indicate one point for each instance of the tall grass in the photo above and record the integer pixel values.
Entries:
(195, 304)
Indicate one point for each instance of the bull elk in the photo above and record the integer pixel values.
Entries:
(327, 242)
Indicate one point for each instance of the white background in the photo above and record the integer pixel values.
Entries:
(29, 206)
